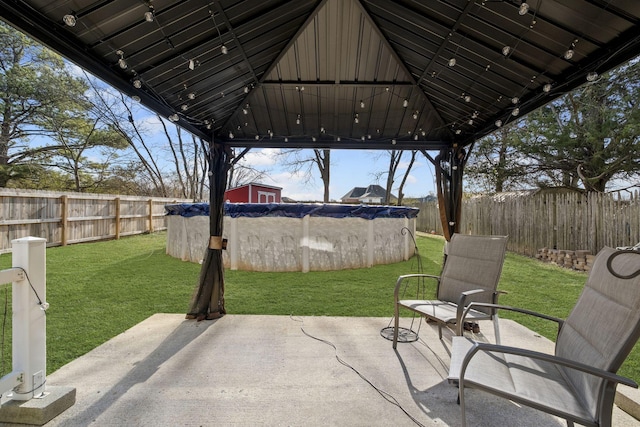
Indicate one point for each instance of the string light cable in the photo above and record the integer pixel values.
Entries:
(385, 395)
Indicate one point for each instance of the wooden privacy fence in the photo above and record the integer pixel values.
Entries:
(571, 221)
(65, 218)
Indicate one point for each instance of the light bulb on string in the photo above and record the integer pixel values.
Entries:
(452, 62)
(546, 88)
(191, 95)
(467, 98)
(524, 8)
(224, 49)
(405, 103)
(515, 111)
(148, 15)
(121, 62)
(184, 107)
(298, 119)
(174, 118)
(592, 76)
(137, 84)
(498, 123)
(69, 20)
(356, 119)
(415, 115)
(361, 104)
(230, 135)
(257, 137)
(568, 54)
(506, 50)
(515, 100)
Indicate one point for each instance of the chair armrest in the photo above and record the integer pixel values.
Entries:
(481, 346)
(461, 306)
(496, 307)
(396, 291)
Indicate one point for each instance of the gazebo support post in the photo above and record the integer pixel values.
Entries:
(208, 299)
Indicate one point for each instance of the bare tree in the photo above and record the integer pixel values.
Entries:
(297, 162)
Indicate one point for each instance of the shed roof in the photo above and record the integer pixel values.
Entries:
(370, 74)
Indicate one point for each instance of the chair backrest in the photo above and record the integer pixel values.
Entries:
(473, 262)
(604, 325)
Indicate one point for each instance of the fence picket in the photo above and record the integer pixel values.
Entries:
(567, 221)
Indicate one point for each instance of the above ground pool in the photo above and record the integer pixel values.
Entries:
(295, 237)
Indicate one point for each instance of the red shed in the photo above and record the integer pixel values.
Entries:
(253, 193)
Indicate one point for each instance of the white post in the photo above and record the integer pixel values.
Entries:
(29, 321)
(305, 243)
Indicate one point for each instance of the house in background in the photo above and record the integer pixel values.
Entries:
(253, 193)
(371, 194)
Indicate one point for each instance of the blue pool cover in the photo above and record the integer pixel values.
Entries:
(295, 210)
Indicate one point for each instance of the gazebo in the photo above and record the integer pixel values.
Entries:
(431, 76)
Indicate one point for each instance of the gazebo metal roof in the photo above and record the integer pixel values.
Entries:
(365, 74)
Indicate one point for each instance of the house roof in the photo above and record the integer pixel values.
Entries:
(373, 190)
(255, 184)
(366, 74)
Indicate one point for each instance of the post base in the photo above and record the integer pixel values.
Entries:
(38, 411)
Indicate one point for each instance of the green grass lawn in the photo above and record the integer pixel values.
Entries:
(98, 290)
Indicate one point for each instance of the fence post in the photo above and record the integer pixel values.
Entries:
(64, 215)
(150, 215)
(117, 218)
(29, 350)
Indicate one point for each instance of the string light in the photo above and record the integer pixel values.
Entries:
(121, 62)
(231, 135)
(137, 84)
(569, 53)
(361, 104)
(547, 88)
(524, 8)
(405, 103)
(69, 20)
(515, 100)
(174, 118)
(467, 98)
(356, 119)
(415, 115)
(298, 119)
(498, 123)
(452, 62)
(184, 107)
(506, 50)
(592, 76)
(191, 95)
(515, 111)
(148, 16)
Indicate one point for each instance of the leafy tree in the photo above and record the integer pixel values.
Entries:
(590, 136)
(34, 86)
(495, 164)
(583, 140)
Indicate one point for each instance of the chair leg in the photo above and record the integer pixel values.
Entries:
(462, 409)
(439, 330)
(396, 325)
(496, 328)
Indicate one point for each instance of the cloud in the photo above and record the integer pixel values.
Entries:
(261, 158)
(296, 186)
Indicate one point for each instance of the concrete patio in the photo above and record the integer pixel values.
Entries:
(281, 370)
